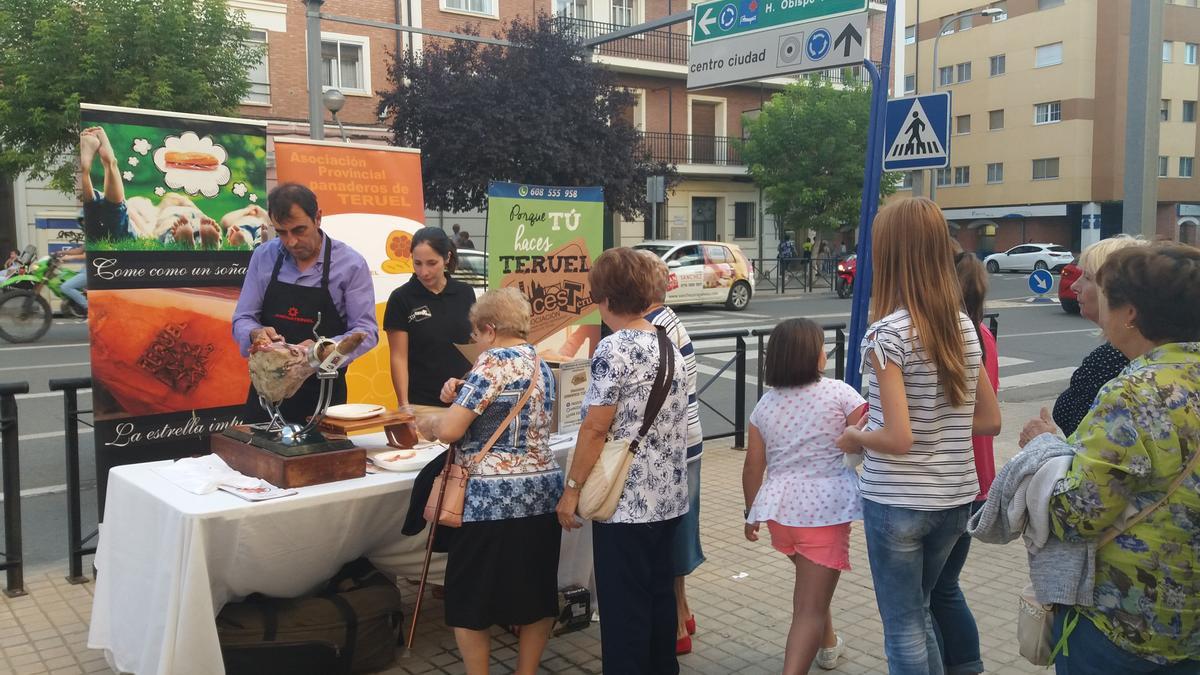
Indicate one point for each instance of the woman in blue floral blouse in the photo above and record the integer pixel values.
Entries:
(1139, 436)
(502, 567)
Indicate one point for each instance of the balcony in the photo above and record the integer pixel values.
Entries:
(691, 149)
(656, 45)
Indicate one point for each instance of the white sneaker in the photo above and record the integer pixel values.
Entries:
(827, 657)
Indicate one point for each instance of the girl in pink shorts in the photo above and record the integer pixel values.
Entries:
(809, 496)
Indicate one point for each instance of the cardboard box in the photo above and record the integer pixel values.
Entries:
(571, 382)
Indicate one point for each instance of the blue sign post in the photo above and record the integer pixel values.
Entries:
(918, 133)
(1040, 282)
(872, 175)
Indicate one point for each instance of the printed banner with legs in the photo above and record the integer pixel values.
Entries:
(173, 204)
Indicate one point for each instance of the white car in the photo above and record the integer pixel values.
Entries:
(1029, 257)
(705, 272)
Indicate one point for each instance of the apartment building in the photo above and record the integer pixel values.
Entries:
(1039, 99)
(694, 131)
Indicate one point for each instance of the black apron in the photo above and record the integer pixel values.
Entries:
(292, 311)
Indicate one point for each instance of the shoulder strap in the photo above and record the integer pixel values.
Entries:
(1114, 532)
(512, 414)
(661, 388)
(328, 257)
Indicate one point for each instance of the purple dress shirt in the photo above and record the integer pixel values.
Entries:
(349, 284)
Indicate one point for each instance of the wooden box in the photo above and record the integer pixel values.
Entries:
(288, 472)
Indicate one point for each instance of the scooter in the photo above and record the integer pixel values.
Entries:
(845, 272)
(25, 313)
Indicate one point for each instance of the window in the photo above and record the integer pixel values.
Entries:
(1046, 113)
(1164, 110)
(1162, 166)
(910, 35)
(1045, 169)
(966, 22)
(715, 255)
(1047, 4)
(997, 65)
(1189, 53)
(344, 63)
(943, 177)
(688, 255)
(962, 175)
(995, 120)
(576, 9)
(622, 12)
(906, 180)
(472, 6)
(910, 83)
(1003, 15)
(259, 74)
(1189, 111)
(1048, 55)
(945, 75)
(995, 173)
(948, 22)
(962, 124)
(743, 220)
(964, 72)
(1167, 45)
(1185, 167)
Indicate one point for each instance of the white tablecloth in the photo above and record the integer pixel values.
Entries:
(168, 560)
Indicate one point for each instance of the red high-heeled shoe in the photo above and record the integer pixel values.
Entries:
(683, 645)
(691, 624)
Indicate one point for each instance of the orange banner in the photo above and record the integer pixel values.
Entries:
(370, 198)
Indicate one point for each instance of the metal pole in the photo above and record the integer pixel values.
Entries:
(870, 202)
(1139, 212)
(312, 34)
(739, 396)
(10, 458)
(839, 353)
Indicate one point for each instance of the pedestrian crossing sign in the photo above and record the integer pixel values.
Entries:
(917, 131)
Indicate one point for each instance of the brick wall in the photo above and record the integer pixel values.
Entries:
(1051, 230)
(287, 61)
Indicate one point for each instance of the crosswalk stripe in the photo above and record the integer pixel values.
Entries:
(1036, 377)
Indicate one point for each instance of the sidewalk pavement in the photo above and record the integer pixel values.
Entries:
(741, 598)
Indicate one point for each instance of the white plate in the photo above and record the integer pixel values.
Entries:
(384, 458)
(354, 411)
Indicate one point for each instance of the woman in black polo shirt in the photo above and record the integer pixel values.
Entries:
(424, 319)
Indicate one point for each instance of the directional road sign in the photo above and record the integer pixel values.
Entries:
(917, 132)
(1041, 282)
(723, 18)
(794, 48)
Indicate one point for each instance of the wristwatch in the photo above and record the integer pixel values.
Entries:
(572, 484)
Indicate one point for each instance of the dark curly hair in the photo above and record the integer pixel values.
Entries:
(1162, 282)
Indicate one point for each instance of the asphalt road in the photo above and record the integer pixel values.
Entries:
(1039, 347)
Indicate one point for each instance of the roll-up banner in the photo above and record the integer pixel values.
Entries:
(370, 198)
(541, 241)
(173, 204)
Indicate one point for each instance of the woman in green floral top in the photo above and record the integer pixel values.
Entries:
(1139, 435)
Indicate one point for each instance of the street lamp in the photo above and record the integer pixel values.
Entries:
(334, 100)
(952, 21)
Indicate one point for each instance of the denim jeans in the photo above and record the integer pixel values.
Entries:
(957, 634)
(71, 287)
(907, 549)
(1090, 652)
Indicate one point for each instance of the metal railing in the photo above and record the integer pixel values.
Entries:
(654, 45)
(845, 76)
(807, 275)
(77, 544)
(10, 464)
(673, 148)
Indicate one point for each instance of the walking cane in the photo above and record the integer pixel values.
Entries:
(412, 629)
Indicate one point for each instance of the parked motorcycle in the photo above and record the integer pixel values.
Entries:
(25, 313)
(845, 272)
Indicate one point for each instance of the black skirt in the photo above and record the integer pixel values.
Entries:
(503, 572)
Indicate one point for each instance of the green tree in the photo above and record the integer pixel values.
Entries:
(536, 112)
(180, 55)
(807, 149)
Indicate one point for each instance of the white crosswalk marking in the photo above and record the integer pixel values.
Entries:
(1036, 377)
